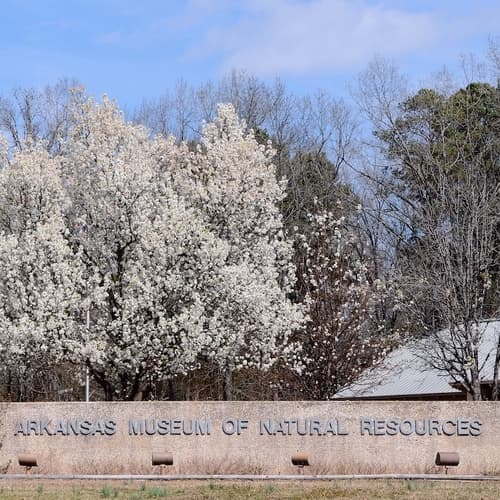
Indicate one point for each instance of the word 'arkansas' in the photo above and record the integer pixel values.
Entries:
(66, 427)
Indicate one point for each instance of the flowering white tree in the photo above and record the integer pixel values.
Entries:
(231, 181)
(178, 257)
(147, 247)
(41, 282)
(345, 331)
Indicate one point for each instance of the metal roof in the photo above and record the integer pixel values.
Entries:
(404, 371)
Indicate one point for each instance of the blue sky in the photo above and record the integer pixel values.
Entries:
(132, 49)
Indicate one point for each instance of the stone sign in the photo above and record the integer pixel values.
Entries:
(249, 437)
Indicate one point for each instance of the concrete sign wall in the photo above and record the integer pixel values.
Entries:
(250, 437)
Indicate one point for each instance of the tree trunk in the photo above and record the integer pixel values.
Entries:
(170, 390)
(228, 385)
(108, 392)
(105, 385)
(9, 384)
(495, 392)
(475, 384)
(137, 396)
(136, 391)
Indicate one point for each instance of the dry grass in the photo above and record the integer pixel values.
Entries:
(361, 489)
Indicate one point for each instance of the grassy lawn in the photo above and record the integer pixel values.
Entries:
(362, 489)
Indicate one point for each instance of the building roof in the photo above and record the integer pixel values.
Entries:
(404, 371)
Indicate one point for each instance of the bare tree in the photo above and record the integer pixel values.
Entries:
(378, 92)
(173, 113)
(439, 177)
(184, 117)
(451, 269)
(282, 124)
(248, 95)
(207, 100)
(155, 115)
(30, 115)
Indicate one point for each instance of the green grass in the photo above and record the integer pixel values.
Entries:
(222, 490)
(156, 492)
(108, 492)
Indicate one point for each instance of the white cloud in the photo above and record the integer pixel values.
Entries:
(295, 37)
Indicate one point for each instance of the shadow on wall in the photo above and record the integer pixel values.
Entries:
(227, 466)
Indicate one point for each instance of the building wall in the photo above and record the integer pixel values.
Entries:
(250, 437)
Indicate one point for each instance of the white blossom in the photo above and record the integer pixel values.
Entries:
(178, 256)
